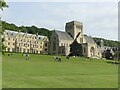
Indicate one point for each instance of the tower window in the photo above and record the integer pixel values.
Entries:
(77, 26)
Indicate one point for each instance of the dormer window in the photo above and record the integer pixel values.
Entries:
(12, 34)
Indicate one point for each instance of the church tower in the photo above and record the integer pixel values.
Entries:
(73, 28)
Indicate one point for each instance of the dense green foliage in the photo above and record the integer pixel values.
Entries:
(48, 33)
(3, 4)
(41, 71)
(75, 49)
(2, 47)
(110, 43)
(31, 29)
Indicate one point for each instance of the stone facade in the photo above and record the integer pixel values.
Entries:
(24, 42)
(60, 41)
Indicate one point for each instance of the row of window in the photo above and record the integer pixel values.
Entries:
(64, 44)
(26, 36)
(28, 45)
(25, 41)
(71, 27)
(24, 50)
(10, 43)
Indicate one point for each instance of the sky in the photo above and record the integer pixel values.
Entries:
(100, 19)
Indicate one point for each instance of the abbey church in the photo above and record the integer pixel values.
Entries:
(60, 41)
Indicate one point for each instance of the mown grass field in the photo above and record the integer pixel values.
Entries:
(41, 71)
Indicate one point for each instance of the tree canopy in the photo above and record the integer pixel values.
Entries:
(3, 4)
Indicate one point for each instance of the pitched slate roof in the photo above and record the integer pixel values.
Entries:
(11, 33)
(89, 39)
(63, 35)
(66, 36)
(14, 33)
(40, 37)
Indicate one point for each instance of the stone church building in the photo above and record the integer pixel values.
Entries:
(60, 41)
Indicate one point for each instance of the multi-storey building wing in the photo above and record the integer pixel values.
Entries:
(25, 43)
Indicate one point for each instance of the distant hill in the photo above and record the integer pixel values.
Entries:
(48, 33)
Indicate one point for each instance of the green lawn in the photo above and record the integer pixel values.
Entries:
(41, 71)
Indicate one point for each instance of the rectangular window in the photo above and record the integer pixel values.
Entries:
(45, 49)
(23, 50)
(46, 44)
(84, 50)
(28, 50)
(40, 46)
(13, 49)
(36, 46)
(36, 51)
(8, 49)
(8, 43)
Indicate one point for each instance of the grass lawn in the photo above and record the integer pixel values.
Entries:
(41, 71)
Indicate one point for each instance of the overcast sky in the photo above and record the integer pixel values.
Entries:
(99, 19)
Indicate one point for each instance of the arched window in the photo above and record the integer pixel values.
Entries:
(54, 46)
(92, 51)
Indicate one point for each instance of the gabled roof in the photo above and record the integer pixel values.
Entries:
(40, 37)
(89, 39)
(63, 35)
(14, 33)
(11, 33)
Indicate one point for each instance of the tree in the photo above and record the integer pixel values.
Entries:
(2, 5)
(75, 49)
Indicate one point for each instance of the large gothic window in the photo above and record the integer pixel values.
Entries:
(81, 40)
(54, 45)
